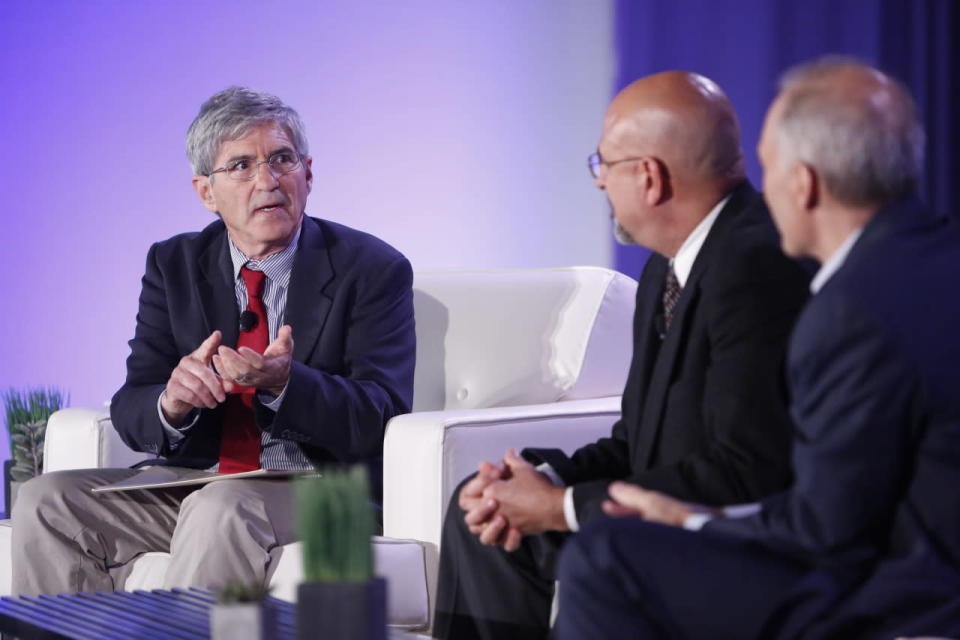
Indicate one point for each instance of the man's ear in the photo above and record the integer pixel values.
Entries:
(201, 184)
(806, 187)
(655, 179)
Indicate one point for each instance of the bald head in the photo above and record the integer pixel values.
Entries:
(683, 119)
(856, 127)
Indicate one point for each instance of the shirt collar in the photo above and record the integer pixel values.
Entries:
(682, 263)
(834, 262)
(273, 264)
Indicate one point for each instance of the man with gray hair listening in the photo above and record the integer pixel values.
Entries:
(866, 542)
(267, 340)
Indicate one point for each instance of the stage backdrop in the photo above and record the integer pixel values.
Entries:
(457, 131)
(745, 45)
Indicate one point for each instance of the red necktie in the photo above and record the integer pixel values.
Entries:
(239, 434)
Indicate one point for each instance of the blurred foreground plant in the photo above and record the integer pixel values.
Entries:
(237, 592)
(334, 523)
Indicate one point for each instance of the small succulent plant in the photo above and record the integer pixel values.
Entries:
(237, 592)
(334, 523)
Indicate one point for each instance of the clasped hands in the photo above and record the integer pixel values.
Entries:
(205, 377)
(505, 502)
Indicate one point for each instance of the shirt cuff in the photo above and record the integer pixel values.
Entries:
(570, 511)
(547, 470)
(696, 521)
(741, 510)
(174, 434)
(271, 402)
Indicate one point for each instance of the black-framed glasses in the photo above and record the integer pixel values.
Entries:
(595, 161)
(279, 163)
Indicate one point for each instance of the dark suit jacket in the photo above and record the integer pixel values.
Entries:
(704, 413)
(874, 370)
(350, 304)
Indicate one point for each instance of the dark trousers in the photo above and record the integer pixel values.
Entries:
(625, 578)
(485, 592)
(632, 579)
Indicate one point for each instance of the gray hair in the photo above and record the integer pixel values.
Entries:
(856, 126)
(229, 115)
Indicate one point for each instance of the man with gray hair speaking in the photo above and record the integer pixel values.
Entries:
(866, 541)
(267, 340)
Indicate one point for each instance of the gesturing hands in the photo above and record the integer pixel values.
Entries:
(194, 383)
(504, 503)
(269, 371)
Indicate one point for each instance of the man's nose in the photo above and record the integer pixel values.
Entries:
(264, 177)
(601, 181)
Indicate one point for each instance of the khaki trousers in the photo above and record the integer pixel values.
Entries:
(68, 539)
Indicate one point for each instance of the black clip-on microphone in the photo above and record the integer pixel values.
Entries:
(660, 326)
(248, 320)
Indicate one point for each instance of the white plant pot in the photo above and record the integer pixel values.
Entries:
(242, 621)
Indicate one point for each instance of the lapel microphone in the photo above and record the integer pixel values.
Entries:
(659, 325)
(248, 320)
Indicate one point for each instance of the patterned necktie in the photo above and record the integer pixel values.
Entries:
(239, 434)
(671, 293)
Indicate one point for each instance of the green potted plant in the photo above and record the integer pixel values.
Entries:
(26, 413)
(243, 612)
(340, 598)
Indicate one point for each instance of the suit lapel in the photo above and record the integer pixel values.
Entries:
(651, 418)
(216, 285)
(307, 303)
(662, 372)
(646, 336)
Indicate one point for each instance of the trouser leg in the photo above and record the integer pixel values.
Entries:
(230, 531)
(485, 592)
(626, 578)
(67, 539)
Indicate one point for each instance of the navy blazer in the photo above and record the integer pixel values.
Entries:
(704, 413)
(874, 370)
(350, 305)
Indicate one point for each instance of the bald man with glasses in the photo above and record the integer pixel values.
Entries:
(704, 408)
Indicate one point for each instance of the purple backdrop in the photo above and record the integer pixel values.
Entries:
(456, 131)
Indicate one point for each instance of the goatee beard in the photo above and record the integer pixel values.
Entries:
(622, 235)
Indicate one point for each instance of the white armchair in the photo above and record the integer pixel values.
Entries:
(504, 359)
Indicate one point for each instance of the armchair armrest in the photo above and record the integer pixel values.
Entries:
(84, 438)
(426, 455)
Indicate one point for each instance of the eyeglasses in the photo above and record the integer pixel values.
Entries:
(279, 163)
(595, 161)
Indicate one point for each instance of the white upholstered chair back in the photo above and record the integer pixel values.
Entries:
(519, 337)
